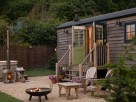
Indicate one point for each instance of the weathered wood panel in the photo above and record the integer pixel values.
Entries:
(115, 36)
(64, 38)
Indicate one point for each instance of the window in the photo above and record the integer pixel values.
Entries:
(99, 34)
(130, 32)
(78, 37)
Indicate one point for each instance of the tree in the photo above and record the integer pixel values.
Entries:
(124, 4)
(3, 29)
(34, 32)
(40, 11)
(18, 8)
(123, 83)
(64, 9)
(106, 6)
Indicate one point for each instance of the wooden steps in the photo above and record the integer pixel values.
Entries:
(73, 71)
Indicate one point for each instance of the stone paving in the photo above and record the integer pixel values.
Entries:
(17, 90)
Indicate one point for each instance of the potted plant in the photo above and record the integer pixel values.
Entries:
(53, 78)
(61, 74)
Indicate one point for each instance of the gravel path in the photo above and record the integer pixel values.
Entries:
(17, 90)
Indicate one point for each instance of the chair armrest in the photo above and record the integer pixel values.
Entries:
(93, 79)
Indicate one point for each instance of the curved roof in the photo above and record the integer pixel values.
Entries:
(104, 17)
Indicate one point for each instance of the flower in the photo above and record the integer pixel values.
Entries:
(76, 79)
(52, 77)
(62, 72)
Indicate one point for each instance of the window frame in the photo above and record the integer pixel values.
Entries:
(125, 32)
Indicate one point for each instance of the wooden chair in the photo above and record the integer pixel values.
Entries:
(93, 87)
(20, 74)
(85, 81)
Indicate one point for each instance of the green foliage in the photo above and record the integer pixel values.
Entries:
(7, 98)
(123, 83)
(18, 8)
(38, 33)
(106, 6)
(124, 4)
(39, 72)
(40, 11)
(46, 15)
(3, 29)
(52, 62)
(64, 9)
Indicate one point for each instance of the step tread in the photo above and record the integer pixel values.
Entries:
(71, 75)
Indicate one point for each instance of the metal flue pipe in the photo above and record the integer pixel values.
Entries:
(8, 55)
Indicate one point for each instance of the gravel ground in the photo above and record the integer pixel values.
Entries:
(17, 90)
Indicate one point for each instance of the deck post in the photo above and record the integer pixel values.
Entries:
(108, 52)
(69, 55)
(95, 56)
(57, 68)
(80, 70)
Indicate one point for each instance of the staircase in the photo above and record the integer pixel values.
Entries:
(73, 71)
(97, 57)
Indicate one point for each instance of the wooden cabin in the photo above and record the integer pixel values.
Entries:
(94, 41)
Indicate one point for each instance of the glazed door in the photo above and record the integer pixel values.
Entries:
(99, 35)
(78, 44)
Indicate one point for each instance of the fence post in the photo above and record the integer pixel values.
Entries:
(108, 52)
(80, 70)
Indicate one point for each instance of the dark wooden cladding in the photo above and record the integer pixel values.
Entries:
(115, 36)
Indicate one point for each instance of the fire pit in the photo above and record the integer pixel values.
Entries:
(38, 92)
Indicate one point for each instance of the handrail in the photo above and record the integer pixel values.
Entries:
(81, 65)
(58, 63)
(87, 55)
(63, 56)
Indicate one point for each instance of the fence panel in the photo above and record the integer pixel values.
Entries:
(34, 57)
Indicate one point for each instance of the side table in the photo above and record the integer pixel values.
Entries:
(68, 86)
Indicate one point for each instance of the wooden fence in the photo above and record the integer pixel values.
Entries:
(34, 57)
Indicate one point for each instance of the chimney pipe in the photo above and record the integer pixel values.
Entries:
(76, 15)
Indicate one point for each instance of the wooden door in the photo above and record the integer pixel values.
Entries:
(89, 38)
(78, 44)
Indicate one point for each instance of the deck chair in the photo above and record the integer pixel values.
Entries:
(94, 87)
(85, 81)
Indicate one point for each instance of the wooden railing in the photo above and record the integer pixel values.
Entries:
(101, 55)
(97, 57)
(87, 62)
(65, 60)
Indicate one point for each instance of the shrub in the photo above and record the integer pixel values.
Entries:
(123, 83)
(52, 62)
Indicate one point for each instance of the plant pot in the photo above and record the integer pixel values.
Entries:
(53, 81)
(60, 77)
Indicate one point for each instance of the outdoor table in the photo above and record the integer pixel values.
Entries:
(68, 86)
(38, 92)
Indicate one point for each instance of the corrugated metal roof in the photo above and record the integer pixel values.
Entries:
(104, 17)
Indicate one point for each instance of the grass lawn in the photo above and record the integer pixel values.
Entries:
(7, 98)
(39, 72)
